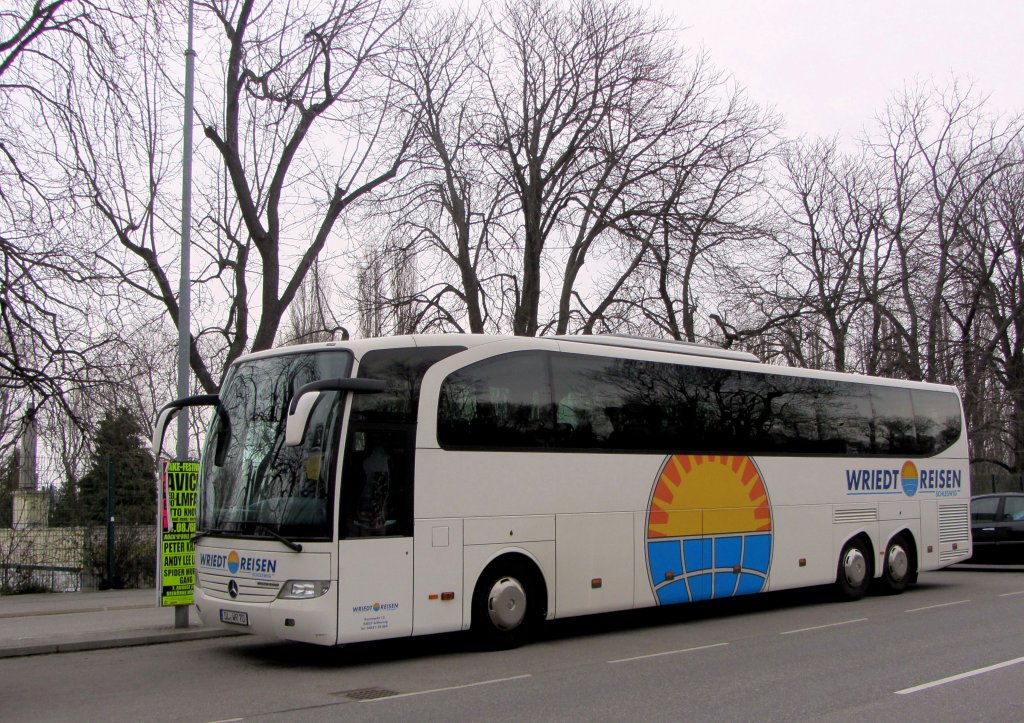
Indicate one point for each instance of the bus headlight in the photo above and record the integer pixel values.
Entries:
(303, 589)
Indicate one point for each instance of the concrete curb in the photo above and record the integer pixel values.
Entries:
(101, 609)
(121, 640)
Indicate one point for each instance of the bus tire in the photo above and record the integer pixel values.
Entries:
(898, 567)
(506, 605)
(853, 574)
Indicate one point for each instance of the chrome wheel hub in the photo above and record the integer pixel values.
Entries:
(506, 603)
(897, 563)
(855, 567)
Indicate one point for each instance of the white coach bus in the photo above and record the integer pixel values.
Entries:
(389, 487)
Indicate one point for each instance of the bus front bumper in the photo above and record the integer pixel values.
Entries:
(312, 620)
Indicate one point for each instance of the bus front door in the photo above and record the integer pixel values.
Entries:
(375, 569)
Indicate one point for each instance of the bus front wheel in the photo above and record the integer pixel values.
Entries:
(854, 572)
(505, 606)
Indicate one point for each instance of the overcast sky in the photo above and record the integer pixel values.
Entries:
(829, 66)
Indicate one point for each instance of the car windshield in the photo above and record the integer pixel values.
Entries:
(251, 483)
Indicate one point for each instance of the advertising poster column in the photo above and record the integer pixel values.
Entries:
(178, 485)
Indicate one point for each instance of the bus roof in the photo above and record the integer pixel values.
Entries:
(665, 345)
(623, 341)
(358, 347)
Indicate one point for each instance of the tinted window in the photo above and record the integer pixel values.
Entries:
(587, 397)
(403, 370)
(983, 509)
(1013, 508)
(377, 478)
(845, 417)
(500, 402)
(893, 429)
(377, 482)
(568, 401)
(936, 419)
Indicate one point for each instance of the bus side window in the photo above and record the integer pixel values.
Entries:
(372, 506)
(581, 422)
(376, 486)
(936, 419)
(501, 402)
(894, 431)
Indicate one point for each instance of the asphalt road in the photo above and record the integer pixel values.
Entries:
(949, 649)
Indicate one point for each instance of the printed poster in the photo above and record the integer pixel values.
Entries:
(178, 484)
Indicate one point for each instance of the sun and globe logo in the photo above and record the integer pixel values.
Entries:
(234, 561)
(909, 478)
(709, 529)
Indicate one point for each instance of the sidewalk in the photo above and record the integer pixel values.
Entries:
(70, 621)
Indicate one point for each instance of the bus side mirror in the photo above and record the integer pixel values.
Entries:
(306, 397)
(167, 414)
(170, 411)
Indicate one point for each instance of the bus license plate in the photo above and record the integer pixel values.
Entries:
(234, 617)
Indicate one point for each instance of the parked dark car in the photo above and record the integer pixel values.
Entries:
(997, 527)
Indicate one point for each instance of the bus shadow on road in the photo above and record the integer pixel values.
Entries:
(286, 654)
(301, 655)
(682, 614)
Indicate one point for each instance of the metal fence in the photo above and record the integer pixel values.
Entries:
(54, 535)
(70, 559)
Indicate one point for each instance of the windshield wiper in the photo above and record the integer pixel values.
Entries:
(280, 538)
(207, 533)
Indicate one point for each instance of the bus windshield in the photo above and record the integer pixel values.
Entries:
(251, 483)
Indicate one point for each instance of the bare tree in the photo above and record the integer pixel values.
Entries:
(828, 232)
(297, 80)
(987, 310)
(386, 296)
(448, 208)
(942, 155)
(311, 315)
(47, 345)
(706, 209)
(286, 70)
(566, 89)
(549, 135)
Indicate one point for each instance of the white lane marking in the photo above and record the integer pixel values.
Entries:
(444, 690)
(1011, 594)
(668, 652)
(940, 605)
(822, 627)
(961, 676)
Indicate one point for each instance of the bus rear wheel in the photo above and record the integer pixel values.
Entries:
(505, 606)
(854, 572)
(897, 566)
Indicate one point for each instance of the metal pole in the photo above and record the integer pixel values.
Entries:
(184, 292)
(111, 536)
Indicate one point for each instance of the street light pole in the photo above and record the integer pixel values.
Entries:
(184, 289)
